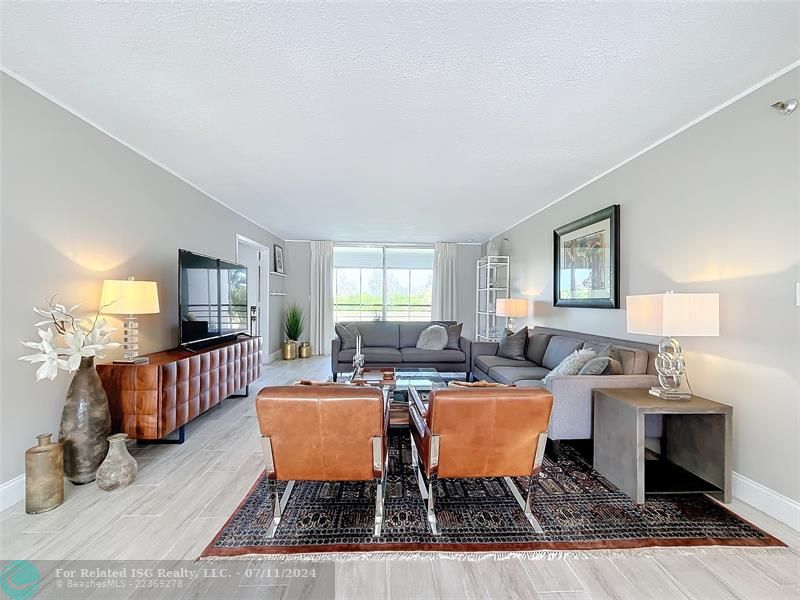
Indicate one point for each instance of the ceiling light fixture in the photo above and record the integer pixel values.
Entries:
(786, 107)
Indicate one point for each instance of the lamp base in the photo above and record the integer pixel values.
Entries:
(668, 394)
(139, 360)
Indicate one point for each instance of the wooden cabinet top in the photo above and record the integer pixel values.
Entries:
(175, 354)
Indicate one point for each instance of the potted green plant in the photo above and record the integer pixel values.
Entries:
(293, 324)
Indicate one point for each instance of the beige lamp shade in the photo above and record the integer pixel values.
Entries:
(674, 315)
(511, 307)
(129, 297)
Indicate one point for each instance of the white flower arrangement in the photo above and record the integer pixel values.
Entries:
(82, 338)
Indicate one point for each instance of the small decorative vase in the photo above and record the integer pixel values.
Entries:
(85, 424)
(119, 468)
(44, 475)
(305, 350)
(289, 348)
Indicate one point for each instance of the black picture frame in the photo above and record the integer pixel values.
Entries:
(608, 218)
(280, 267)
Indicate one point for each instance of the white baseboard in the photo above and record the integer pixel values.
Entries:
(768, 501)
(277, 355)
(12, 491)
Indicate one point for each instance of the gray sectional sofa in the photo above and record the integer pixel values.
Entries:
(572, 407)
(394, 344)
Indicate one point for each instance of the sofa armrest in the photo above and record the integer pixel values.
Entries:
(336, 346)
(582, 385)
(572, 406)
(465, 345)
(484, 348)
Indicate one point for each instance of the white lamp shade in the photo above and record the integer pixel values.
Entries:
(129, 297)
(511, 307)
(675, 315)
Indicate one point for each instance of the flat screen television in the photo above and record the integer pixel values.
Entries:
(212, 297)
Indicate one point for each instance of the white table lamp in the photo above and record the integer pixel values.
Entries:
(669, 315)
(511, 308)
(130, 297)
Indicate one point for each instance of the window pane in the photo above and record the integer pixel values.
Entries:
(357, 257)
(409, 258)
(359, 283)
(397, 294)
(421, 285)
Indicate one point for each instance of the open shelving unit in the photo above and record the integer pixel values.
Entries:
(493, 281)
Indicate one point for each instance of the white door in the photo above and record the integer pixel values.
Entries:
(255, 257)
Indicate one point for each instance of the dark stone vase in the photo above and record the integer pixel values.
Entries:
(85, 424)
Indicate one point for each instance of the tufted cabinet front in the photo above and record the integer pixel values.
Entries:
(150, 401)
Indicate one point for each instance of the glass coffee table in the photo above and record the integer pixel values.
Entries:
(422, 380)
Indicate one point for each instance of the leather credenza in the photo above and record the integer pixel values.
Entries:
(151, 400)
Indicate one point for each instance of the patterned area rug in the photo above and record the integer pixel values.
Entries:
(576, 507)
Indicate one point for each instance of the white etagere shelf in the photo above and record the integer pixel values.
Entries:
(493, 281)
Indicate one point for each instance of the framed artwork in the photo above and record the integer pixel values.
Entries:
(279, 268)
(586, 261)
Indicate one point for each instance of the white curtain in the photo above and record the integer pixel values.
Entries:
(321, 318)
(445, 281)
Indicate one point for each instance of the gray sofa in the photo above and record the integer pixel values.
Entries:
(394, 344)
(572, 406)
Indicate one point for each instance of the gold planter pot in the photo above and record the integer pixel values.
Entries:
(289, 349)
(305, 350)
(44, 475)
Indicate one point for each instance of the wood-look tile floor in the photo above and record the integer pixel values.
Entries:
(184, 494)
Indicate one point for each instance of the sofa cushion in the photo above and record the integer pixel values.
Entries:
(373, 354)
(601, 365)
(573, 364)
(433, 337)
(454, 336)
(514, 374)
(559, 348)
(486, 362)
(512, 345)
(384, 334)
(409, 333)
(633, 360)
(347, 333)
(537, 345)
(417, 355)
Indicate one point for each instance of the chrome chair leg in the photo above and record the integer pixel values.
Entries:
(279, 503)
(525, 504)
(432, 506)
(380, 493)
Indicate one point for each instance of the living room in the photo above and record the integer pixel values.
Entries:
(403, 301)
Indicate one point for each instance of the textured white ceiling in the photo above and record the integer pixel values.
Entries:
(393, 122)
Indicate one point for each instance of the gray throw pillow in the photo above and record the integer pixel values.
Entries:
(601, 365)
(347, 334)
(512, 345)
(433, 337)
(453, 335)
(572, 364)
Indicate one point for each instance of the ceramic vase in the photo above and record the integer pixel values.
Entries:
(44, 475)
(85, 424)
(119, 468)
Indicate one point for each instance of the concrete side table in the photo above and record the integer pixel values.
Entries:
(695, 447)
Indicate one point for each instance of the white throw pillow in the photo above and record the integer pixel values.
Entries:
(572, 364)
(432, 338)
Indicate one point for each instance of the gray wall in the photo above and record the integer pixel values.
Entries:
(298, 265)
(714, 209)
(77, 208)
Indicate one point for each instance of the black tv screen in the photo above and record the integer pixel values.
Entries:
(212, 298)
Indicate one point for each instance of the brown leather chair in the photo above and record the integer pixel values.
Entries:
(479, 432)
(323, 433)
